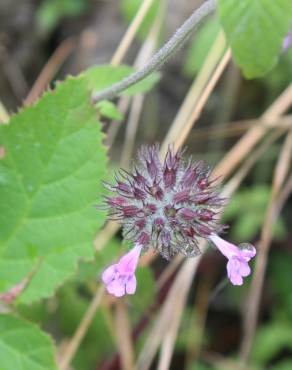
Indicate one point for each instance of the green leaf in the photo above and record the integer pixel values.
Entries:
(129, 9)
(276, 80)
(103, 258)
(73, 301)
(23, 346)
(50, 181)
(247, 210)
(270, 340)
(199, 366)
(50, 12)
(200, 46)
(109, 110)
(283, 365)
(255, 30)
(280, 280)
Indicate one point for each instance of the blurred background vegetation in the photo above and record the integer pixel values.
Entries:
(71, 35)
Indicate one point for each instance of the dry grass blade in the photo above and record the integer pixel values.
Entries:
(50, 69)
(114, 126)
(168, 271)
(241, 173)
(199, 316)
(146, 52)
(14, 74)
(123, 335)
(131, 33)
(74, 343)
(105, 235)
(172, 306)
(203, 99)
(254, 135)
(238, 127)
(283, 165)
(284, 195)
(252, 307)
(195, 92)
(131, 129)
(178, 304)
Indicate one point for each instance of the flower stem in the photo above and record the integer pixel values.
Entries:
(171, 47)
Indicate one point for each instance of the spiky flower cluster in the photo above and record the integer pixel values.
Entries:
(167, 205)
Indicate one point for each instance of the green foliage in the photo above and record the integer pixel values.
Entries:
(145, 293)
(280, 279)
(37, 312)
(109, 110)
(200, 46)
(51, 12)
(103, 258)
(247, 210)
(73, 301)
(129, 9)
(23, 346)
(270, 340)
(50, 180)
(189, 330)
(276, 80)
(255, 31)
(283, 365)
(197, 365)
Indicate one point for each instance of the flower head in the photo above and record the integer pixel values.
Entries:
(167, 204)
(238, 258)
(120, 278)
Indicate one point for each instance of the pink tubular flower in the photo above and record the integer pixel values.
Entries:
(238, 258)
(120, 278)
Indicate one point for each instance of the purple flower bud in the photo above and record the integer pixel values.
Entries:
(143, 239)
(165, 237)
(158, 222)
(116, 201)
(123, 188)
(149, 157)
(170, 168)
(131, 211)
(150, 209)
(139, 194)
(206, 214)
(181, 196)
(138, 178)
(156, 191)
(188, 214)
(203, 183)
(140, 223)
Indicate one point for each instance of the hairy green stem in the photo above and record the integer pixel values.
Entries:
(171, 47)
